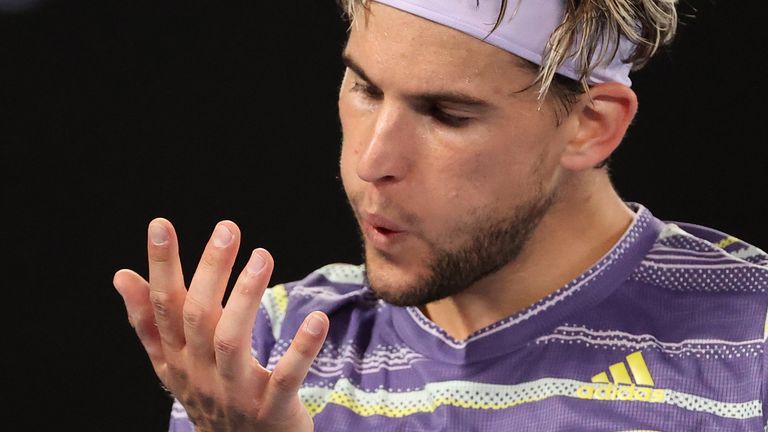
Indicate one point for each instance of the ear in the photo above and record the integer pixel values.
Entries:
(601, 124)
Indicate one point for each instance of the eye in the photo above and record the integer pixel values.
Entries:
(367, 90)
(448, 119)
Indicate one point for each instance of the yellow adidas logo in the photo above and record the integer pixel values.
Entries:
(622, 387)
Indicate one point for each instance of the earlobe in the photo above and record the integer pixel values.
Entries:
(603, 118)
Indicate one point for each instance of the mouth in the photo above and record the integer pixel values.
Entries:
(385, 231)
(382, 232)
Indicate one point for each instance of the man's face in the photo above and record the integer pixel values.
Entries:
(447, 164)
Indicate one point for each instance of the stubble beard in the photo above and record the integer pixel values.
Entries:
(493, 245)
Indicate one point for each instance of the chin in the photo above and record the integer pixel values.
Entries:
(405, 283)
(391, 280)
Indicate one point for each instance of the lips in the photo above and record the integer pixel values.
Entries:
(382, 224)
(380, 231)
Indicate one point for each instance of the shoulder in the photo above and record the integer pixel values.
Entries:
(693, 258)
(333, 289)
(687, 235)
(699, 281)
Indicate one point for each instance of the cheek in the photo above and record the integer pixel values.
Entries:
(468, 173)
(349, 179)
(456, 188)
(488, 181)
(349, 153)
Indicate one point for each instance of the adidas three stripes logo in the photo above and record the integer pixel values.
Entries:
(637, 387)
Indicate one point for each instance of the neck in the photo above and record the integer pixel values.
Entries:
(589, 219)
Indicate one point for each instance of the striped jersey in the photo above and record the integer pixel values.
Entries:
(666, 332)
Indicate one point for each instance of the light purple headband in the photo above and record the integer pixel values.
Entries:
(524, 30)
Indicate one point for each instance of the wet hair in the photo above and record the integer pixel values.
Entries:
(589, 33)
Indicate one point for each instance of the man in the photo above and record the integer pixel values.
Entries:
(506, 285)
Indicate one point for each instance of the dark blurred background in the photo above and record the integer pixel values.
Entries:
(115, 112)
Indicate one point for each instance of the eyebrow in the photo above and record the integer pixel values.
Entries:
(451, 97)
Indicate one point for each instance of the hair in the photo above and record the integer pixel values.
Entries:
(589, 33)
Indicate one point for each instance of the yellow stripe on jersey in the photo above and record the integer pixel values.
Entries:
(724, 243)
(459, 394)
(765, 332)
(280, 296)
(274, 301)
(480, 396)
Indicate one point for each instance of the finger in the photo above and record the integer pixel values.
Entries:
(135, 292)
(232, 341)
(290, 371)
(202, 308)
(166, 283)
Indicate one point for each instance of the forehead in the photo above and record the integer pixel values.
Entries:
(396, 47)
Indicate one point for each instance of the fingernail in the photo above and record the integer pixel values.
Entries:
(158, 234)
(222, 236)
(256, 263)
(314, 325)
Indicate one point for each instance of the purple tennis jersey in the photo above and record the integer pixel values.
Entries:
(666, 332)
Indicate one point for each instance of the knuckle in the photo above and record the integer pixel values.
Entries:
(303, 349)
(194, 313)
(212, 260)
(225, 346)
(283, 381)
(159, 255)
(161, 303)
(171, 342)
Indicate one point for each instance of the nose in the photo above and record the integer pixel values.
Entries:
(385, 155)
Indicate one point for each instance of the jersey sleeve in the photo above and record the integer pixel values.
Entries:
(764, 381)
(266, 328)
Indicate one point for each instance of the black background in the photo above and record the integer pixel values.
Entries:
(115, 112)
